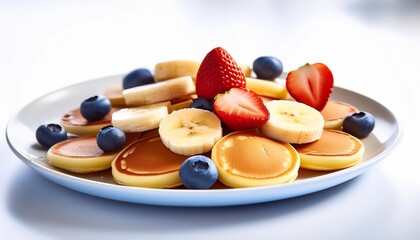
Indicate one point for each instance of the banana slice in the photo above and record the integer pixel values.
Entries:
(190, 131)
(266, 88)
(180, 68)
(140, 119)
(292, 122)
(246, 69)
(175, 69)
(159, 92)
(181, 102)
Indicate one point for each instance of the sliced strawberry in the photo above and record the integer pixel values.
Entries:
(241, 109)
(311, 84)
(218, 73)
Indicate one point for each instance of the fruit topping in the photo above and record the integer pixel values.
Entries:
(218, 73)
(140, 119)
(95, 108)
(359, 124)
(49, 134)
(159, 91)
(198, 172)
(240, 109)
(292, 122)
(311, 84)
(110, 139)
(202, 103)
(267, 67)
(190, 131)
(138, 77)
(266, 88)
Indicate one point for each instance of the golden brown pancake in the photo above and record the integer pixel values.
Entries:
(335, 112)
(334, 150)
(82, 154)
(246, 159)
(73, 122)
(147, 163)
(115, 96)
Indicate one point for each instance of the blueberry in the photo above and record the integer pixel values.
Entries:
(138, 77)
(267, 67)
(110, 139)
(202, 103)
(95, 108)
(359, 124)
(198, 172)
(49, 134)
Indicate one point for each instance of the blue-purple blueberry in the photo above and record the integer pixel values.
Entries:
(359, 124)
(95, 108)
(198, 172)
(267, 67)
(110, 139)
(138, 77)
(49, 134)
(202, 103)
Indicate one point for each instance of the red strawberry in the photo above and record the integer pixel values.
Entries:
(218, 73)
(311, 84)
(240, 109)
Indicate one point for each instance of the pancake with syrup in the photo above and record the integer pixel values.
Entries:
(246, 159)
(82, 154)
(147, 163)
(333, 151)
(335, 112)
(73, 122)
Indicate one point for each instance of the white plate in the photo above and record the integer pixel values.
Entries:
(21, 129)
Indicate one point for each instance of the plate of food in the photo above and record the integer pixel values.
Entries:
(226, 191)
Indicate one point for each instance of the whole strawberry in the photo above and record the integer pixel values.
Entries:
(218, 73)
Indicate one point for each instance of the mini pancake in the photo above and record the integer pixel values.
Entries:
(333, 151)
(115, 96)
(73, 122)
(147, 163)
(335, 112)
(82, 154)
(246, 159)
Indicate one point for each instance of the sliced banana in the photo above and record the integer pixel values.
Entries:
(190, 131)
(246, 69)
(180, 68)
(182, 102)
(266, 88)
(159, 92)
(292, 122)
(177, 68)
(140, 119)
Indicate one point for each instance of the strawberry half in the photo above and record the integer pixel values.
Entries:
(240, 109)
(218, 73)
(311, 84)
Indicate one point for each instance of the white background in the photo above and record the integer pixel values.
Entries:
(372, 47)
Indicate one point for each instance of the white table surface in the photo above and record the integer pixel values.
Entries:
(371, 46)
